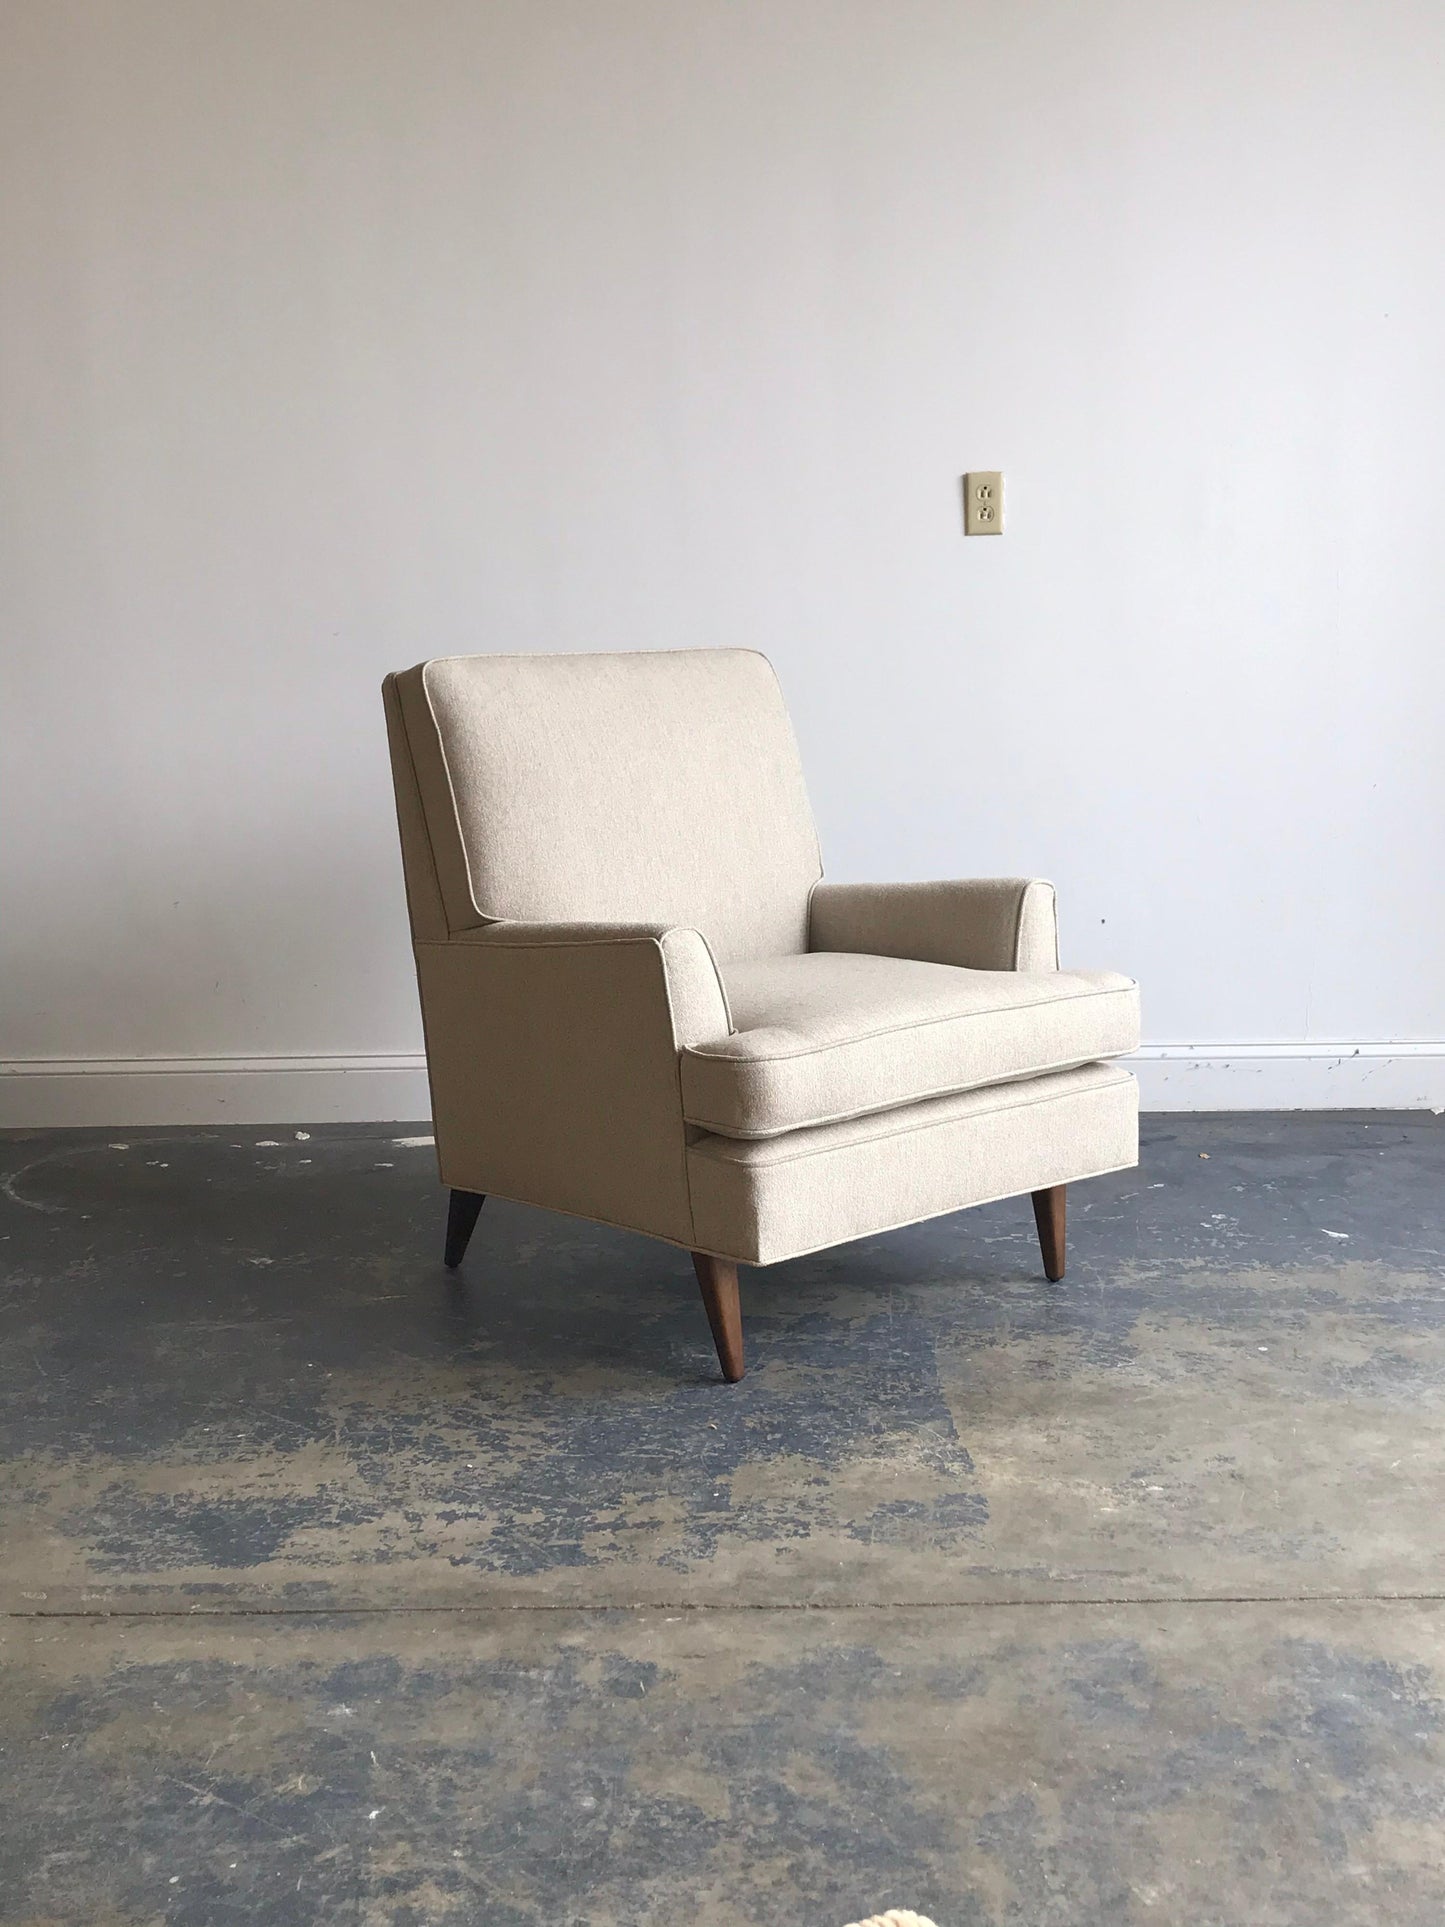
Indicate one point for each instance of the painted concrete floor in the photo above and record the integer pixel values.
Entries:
(337, 1590)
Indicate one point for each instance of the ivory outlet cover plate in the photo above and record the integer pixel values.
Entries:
(983, 502)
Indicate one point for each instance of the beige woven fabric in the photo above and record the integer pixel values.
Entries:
(658, 787)
(764, 1199)
(829, 1036)
(552, 1052)
(642, 1006)
(983, 923)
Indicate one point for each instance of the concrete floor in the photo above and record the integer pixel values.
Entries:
(337, 1590)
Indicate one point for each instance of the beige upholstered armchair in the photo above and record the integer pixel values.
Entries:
(643, 1005)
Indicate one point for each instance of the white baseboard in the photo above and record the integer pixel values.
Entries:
(1291, 1077)
(381, 1089)
(391, 1087)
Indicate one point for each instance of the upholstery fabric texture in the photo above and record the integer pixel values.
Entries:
(832, 1035)
(423, 892)
(658, 787)
(777, 1198)
(552, 1054)
(982, 923)
(642, 1006)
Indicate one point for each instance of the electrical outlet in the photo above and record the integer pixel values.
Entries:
(983, 502)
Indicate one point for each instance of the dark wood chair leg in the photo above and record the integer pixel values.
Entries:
(1049, 1217)
(462, 1215)
(719, 1281)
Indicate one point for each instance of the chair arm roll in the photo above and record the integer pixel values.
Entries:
(980, 923)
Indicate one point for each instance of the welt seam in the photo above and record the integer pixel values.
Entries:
(451, 794)
(436, 875)
(893, 1030)
(1010, 1078)
(584, 1217)
(906, 1130)
(727, 1002)
(1019, 921)
(947, 1211)
(492, 947)
(660, 944)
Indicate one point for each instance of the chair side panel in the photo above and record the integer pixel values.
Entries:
(536, 1099)
(423, 892)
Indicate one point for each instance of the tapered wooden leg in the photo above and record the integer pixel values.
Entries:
(462, 1215)
(719, 1281)
(1049, 1217)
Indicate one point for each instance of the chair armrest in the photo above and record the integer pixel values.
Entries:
(982, 923)
(697, 1006)
(552, 1051)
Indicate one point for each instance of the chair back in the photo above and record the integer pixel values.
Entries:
(655, 787)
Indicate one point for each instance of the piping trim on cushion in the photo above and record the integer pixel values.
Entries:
(700, 1148)
(892, 1030)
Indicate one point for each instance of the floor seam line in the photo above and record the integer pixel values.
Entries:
(692, 1606)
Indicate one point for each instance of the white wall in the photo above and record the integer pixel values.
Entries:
(338, 333)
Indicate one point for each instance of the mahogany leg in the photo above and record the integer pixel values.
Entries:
(462, 1213)
(1049, 1217)
(719, 1281)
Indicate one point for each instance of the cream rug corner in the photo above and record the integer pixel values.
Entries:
(895, 1917)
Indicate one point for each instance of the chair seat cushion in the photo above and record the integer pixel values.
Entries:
(831, 1035)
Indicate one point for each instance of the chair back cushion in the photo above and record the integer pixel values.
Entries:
(657, 787)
